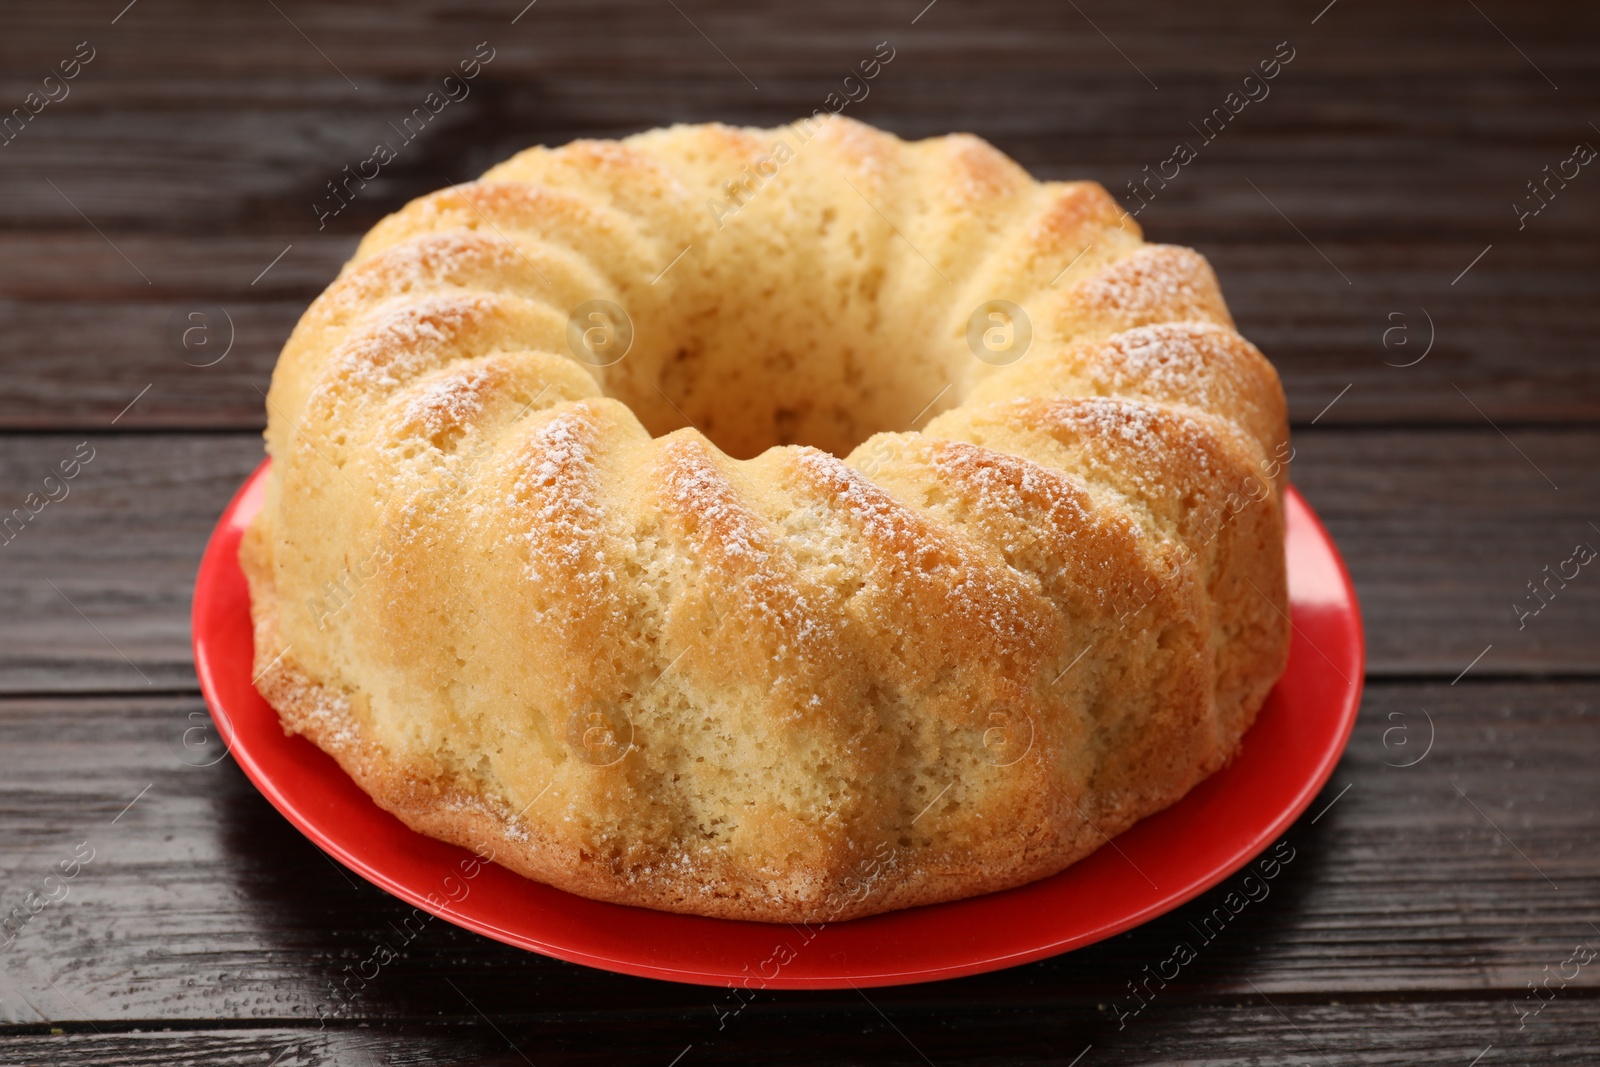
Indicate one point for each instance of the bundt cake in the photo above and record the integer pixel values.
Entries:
(785, 525)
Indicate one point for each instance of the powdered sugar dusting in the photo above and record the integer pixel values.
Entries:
(1172, 361)
(1005, 480)
(1148, 441)
(926, 557)
(320, 713)
(402, 341)
(455, 257)
(562, 520)
(1155, 283)
(447, 402)
(732, 540)
(1057, 506)
(703, 494)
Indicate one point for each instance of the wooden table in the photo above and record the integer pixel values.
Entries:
(1361, 211)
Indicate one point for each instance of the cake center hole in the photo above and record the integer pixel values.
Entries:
(792, 373)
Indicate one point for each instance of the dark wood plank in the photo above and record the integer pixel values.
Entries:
(198, 170)
(1392, 151)
(201, 902)
(1442, 531)
(827, 1030)
(204, 173)
(81, 333)
(1439, 532)
(96, 586)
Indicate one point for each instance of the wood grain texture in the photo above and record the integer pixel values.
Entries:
(1339, 200)
(1376, 1032)
(202, 902)
(1367, 201)
(81, 333)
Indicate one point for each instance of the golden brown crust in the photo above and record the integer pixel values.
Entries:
(527, 608)
(435, 805)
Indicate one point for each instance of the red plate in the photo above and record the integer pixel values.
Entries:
(1157, 865)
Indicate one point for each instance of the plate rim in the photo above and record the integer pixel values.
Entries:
(217, 560)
